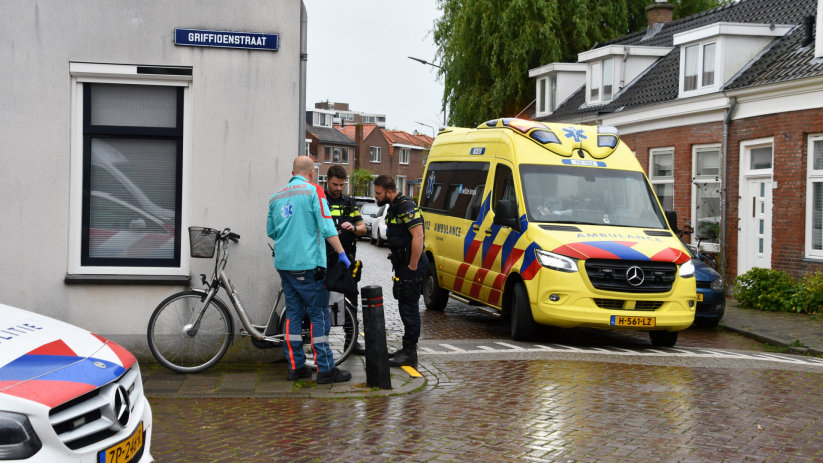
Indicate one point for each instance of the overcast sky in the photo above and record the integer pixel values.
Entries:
(358, 54)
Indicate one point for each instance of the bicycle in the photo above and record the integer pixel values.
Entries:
(191, 330)
(706, 258)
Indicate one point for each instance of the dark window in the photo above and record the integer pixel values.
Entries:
(455, 188)
(132, 175)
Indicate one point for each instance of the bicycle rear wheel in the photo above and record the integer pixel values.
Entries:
(341, 337)
(184, 348)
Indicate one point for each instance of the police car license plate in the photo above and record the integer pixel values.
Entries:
(126, 451)
(619, 320)
(699, 297)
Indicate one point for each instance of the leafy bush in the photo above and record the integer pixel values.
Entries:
(774, 290)
(765, 289)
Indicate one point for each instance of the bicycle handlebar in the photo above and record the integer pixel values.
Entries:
(228, 234)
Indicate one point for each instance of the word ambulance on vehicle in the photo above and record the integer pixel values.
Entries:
(552, 224)
(68, 395)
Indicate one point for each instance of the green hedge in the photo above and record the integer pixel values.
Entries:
(776, 291)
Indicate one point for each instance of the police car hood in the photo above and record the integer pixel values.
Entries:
(50, 362)
(623, 243)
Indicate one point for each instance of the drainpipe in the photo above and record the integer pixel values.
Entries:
(727, 120)
(304, 56)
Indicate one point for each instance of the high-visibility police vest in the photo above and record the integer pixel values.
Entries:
(402, 216)
(344, 209)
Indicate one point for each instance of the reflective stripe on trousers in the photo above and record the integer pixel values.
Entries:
(305, 295)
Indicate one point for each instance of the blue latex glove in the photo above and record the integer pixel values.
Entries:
(342, 257)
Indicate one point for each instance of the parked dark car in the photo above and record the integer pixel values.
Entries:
(711, 294)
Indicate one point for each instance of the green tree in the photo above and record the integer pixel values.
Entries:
(486, 47)
(359, 180)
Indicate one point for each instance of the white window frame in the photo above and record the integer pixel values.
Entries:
(327, 154)
(706, 181)
(375, 154)
(542, 95)
(336, 154)
(400, 182)
(654, 179)
(404, 156)
(597, 78)
(344, 155)
(83, 73)
(552, 93)
(812, 176)
(700, 88)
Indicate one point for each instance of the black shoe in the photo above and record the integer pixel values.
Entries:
(300, 373)
(358, 349)
(394, 354)
(334, 376)
(406, 356)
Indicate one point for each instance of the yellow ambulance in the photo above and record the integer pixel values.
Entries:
(552, 224)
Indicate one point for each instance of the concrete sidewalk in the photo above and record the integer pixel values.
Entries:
(801, 333)
(268, 380)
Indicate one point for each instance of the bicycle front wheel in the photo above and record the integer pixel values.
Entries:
(186, 337)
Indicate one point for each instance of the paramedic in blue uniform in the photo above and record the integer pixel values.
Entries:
(404, 232)
(300, 224)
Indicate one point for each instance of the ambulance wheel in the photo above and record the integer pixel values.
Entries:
(434, 296)
(523, 326)
(663, 338)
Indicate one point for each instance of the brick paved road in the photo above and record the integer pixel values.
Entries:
(518, 411)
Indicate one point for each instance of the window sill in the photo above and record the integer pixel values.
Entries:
(75, 279)
(813, 260)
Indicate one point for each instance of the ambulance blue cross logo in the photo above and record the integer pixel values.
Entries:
(577, 134)
(430, 186)
(287, 210)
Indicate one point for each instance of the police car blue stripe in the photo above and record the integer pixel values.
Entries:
(62, 368)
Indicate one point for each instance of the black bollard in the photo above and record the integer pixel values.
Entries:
(374, 324)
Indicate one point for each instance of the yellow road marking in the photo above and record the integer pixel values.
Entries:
(412, 372)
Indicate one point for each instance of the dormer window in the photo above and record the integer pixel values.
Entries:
(601, 81)
(555, 83)
(699, 66)
(713, 54)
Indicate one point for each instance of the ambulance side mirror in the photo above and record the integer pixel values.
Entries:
(671, 216)
(505, 213)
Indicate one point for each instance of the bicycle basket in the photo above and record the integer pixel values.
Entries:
(202, 241)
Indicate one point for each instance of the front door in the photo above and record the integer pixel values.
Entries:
(755, 246)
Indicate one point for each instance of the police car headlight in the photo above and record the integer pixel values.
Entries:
(555, 261)
(717, 285)
(687, 269)
(17, 438)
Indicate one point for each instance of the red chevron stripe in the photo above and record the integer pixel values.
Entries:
(514, 256)
(491, 256)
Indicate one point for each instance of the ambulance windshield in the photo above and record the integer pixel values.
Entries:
(588, 195)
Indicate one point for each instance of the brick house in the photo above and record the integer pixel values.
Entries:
(391, 152)
(328, 146)
(725, 111)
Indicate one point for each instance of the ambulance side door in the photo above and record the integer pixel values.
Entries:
(497, 242)
(452, 200)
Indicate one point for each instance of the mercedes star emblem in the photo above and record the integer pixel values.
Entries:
(635, 275)
(121, 406)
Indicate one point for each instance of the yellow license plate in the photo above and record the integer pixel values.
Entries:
(126, 451)
(620, 320)
(699, 297)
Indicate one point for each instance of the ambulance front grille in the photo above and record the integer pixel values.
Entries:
(611, 275)
(620, 304)
(83, 421)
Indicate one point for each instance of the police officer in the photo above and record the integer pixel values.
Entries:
(404, 232)
(298, 220)
(349, 223)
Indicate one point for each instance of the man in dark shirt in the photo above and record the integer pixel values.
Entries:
(349, 223)
(404, 232)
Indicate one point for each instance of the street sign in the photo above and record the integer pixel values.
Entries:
(226, 39)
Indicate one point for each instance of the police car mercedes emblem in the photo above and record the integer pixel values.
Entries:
(120, 406)
(635, 275)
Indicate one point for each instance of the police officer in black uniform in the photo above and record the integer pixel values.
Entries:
(404, 232)
(347, 219)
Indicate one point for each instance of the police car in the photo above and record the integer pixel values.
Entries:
(68, 395)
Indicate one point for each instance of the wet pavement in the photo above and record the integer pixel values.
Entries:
(573, 395)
